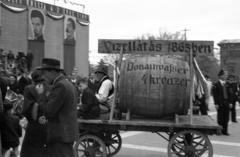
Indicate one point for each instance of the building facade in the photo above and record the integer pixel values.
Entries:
(47, 31)
(230, 56)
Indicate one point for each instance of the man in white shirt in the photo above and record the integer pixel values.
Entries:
(105, 89)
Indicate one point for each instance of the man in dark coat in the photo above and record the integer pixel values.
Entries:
(89, 108)
(35, 139)
(21, 80)
(29, 58)
(222, 101)
(233, 89)
(60, 109)
(93, 83)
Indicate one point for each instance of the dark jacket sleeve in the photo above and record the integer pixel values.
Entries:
(3, 86)
(51, 107)
(28, 102)
(217, 94)
(1, 102)
(87, 100)
(19, 128)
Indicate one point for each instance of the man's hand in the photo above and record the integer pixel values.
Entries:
(237, 103)
(230, 105)
(42, 120)
(39, 89)
(216, 106)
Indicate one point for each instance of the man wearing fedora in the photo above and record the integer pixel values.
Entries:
(60, 109)
(105, 88)
(221, 96)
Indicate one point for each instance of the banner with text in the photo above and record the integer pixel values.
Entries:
(168, 47)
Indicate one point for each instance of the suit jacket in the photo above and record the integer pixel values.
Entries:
(233, 89)
(39, 38)
(218, 95)
(22, 83)
(90, 105)
(69, 41)
(61, 111)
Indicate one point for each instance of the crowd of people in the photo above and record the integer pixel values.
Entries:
(51, 105)
(53, 102)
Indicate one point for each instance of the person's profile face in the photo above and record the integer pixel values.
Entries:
(82, 86)
(98, 76)
(18, 72)
(12, 80)
(37, 26)
(69, 29)
(47, 76)
(223, 77)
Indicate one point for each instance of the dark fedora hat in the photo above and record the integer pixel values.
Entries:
(50, 64)
(102, 69)
(222, 72)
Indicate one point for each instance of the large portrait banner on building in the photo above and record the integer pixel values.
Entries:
(37, 24)
(69, 30)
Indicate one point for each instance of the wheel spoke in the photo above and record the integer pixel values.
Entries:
(82, 150)
(114, 136)
(185, 141)
(109, 150)
(177, 152)
(113, 147)
(199, 143)
(196, 155)
(83, 144)
(178, 144)
(87, 143)
(96, 148)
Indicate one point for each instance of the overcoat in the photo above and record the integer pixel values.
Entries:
(61, 112)
(35, 139)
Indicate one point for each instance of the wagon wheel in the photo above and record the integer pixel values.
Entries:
(113, 144)
(189, 144)
(90, 146)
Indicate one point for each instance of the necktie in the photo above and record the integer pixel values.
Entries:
(224, 91)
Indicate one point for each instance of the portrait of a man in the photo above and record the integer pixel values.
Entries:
(37, 21)
(70, 32)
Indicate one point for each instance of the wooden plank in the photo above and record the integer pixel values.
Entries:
(200, 122)
(168, 47)
(116, 84)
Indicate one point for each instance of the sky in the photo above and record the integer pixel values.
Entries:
(206, 20)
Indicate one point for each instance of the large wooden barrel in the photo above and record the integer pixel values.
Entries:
(154, 87)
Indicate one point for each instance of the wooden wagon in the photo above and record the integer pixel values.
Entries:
(187, 134)
(185, 140)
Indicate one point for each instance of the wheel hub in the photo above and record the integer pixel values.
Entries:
(89, 151)
(189, 150)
